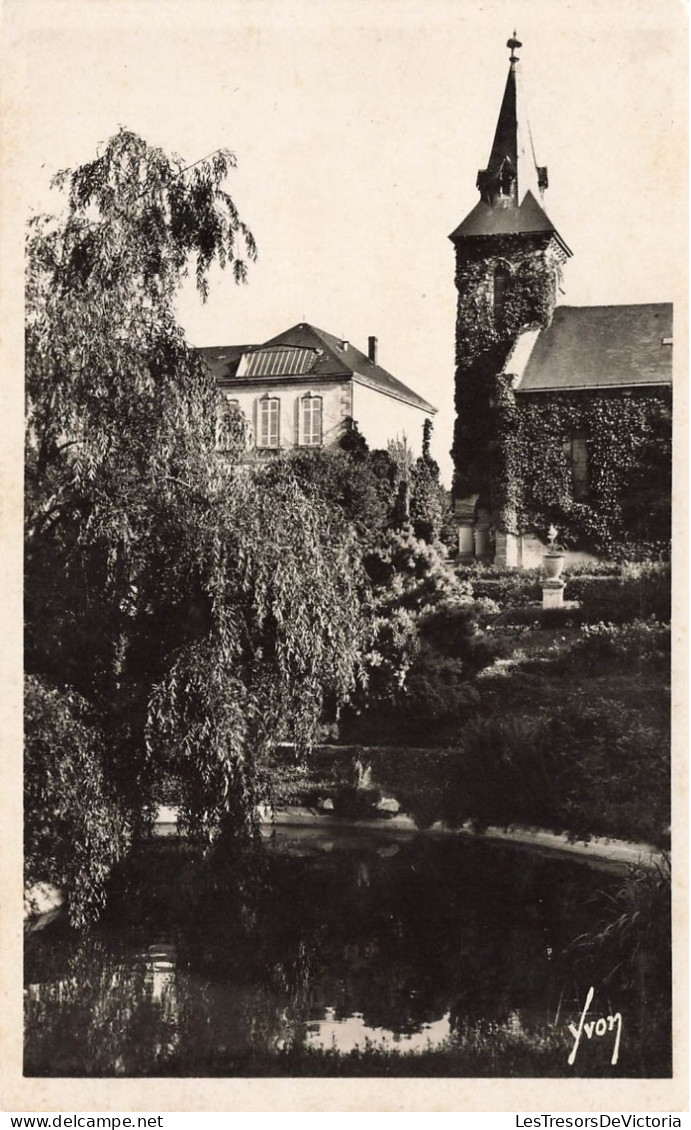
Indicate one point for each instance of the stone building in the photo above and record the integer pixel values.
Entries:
(563, 413)
(299, 388)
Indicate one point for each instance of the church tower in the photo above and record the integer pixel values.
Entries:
(509, 258)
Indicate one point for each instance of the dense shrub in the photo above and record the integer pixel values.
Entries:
(537, 617)
(452, 630)
(593, 569)
(437, 694)
(74, 830)
(422, 661)
(640, 591)
(577, 769)
(505, 773)
(641, 641)
(406, 572)
(508, 587)
(361, 484)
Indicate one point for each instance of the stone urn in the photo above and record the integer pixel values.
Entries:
(553, 559)
(553, 562)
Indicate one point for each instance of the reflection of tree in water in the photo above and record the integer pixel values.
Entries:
(441, 927)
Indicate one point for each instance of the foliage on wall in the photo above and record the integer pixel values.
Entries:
(484, 335)
(512, 449)
(628, 435)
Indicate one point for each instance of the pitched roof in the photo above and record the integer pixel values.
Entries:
(304, 349)
(506, 219)
(590, 347)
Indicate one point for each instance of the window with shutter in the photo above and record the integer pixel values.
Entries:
(268, 430)
(311, 421)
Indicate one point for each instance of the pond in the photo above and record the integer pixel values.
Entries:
(345, 953)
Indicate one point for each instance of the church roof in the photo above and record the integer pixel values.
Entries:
(509, 219)
(305, 351)
(594, 347)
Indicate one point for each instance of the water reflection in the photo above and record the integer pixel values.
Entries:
(351, 1032)
(325, 944)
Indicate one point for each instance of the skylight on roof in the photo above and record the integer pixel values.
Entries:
(283, 361)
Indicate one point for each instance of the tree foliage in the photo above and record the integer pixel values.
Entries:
(75, 832)
(198, 609)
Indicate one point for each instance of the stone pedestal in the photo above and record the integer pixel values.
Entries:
(552, 593)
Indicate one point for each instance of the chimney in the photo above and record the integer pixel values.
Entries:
(372, 349)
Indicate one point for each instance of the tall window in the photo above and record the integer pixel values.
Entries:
(576, 452)
(500, 290)
(268, 422)
(311, 421)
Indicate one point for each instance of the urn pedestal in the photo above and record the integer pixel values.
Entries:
(552, 593)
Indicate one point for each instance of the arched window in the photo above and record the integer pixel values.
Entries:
(231, 425)
(311, 421)
(268, 422)
(500, 289)
(576, 452)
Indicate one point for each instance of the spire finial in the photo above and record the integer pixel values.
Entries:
(512, 44)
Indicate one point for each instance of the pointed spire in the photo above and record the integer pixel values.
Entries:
(512, 170)
(512, 186)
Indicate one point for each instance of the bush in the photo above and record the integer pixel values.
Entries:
(406, 572)
(576, 769)
(538, 617)
(639, 592)
(452, 630)
(593, 569)
(505, 774)
(510, 588)
(420, 672)
(74, 831)
(437, 693)
(641, 641)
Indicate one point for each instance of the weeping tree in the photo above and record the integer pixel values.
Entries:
(196, 612)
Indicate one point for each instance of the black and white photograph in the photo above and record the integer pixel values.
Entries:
(351, 751)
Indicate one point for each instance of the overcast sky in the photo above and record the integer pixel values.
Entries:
(359, 129)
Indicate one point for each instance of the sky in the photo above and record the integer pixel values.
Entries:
(358, 129)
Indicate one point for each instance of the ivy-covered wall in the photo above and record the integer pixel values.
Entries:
(511, 448)
(628, 437)
(484, 336)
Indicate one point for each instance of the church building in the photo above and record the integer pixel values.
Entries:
(563, 413)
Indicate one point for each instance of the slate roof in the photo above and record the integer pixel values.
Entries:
(590, 347)
(333, 360)
(506, 219)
